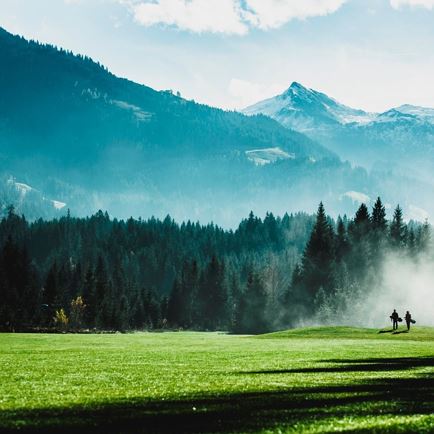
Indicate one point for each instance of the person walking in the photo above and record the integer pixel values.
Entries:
(394, 317)
(408, 320)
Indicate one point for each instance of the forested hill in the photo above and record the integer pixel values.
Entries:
(104, 274)
(77, 134)
(60, 105)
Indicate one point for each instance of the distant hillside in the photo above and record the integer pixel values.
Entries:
(397, 145)
(86, 138)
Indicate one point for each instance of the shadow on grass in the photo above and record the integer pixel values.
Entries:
(358, 365)
(243, 412)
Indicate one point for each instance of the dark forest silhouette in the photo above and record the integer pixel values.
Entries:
(99, 273)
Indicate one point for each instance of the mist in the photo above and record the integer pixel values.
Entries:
(401, 282)
(407, 284)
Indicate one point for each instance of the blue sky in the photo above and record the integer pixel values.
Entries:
(370, 54)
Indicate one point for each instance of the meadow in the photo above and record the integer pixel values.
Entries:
(329, 379)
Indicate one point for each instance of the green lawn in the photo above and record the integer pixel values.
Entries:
(306, 380)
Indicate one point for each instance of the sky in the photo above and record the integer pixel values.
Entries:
(369, 54)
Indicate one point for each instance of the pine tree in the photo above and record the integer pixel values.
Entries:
(99, 298)
(319, 257)
(398, 229)
(341, 240)
(423, 238)
(51, 288)
(251, 312)
(361, 224)
(175, 305)
(10, 298)
(378, 219)
(379, 231)
(89, 298)
(411, 243)
(213, 296)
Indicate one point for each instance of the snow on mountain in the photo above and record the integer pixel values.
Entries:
(425, 113)
(265, 156)
(394, 115)
(58, 205)
(23, 188)
(26, 193)
(19, 186)
(141, 115)
(304, 109)
(401, 138)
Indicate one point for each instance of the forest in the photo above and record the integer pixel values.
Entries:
(104, 274)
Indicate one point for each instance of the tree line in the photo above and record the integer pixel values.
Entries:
(343, 261)
(108, 274)
(98, 273)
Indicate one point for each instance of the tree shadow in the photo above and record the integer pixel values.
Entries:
(245, 412)
(357, 365)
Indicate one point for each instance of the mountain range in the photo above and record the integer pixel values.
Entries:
(402, 137)
(74, 136)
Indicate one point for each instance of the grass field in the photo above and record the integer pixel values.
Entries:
(305, 380)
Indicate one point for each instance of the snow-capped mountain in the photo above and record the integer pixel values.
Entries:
(304, 109)
(402, 136)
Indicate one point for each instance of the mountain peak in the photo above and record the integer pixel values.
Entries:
(304, 109)
(297, 87)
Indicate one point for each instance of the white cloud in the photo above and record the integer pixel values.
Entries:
(215, 16)
(267, 14)
(397, 4)
(357, 196)
(227, 16)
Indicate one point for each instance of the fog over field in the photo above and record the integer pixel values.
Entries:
(407, 285)
(403, 283)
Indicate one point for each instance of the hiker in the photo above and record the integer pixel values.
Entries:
(408, 319)
(394, 317)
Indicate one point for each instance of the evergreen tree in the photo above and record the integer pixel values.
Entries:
(319, 258)
(378, 219)
(10, 283)
(211, 274)
(362, 222)
(251, 317)
(101, 296)
(423, 238)
(411, 243)
(379, 231)
(89, 298)
(213, 296)
(175, 315)
(51, 289)
(341, 240)
(398, 229)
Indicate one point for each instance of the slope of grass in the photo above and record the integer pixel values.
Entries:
(344, 332)
(317, 380)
